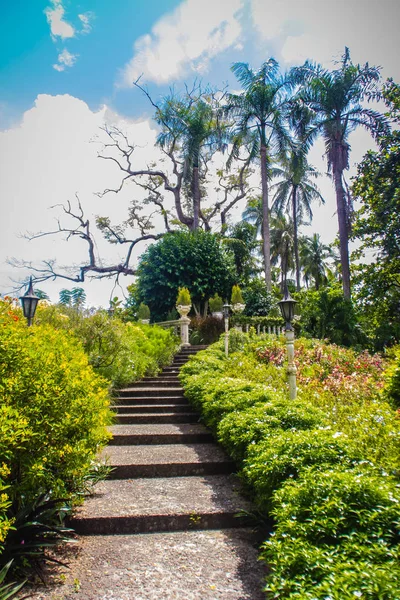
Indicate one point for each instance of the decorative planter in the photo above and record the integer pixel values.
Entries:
(183, 310)
(217, 314)
(238, 308)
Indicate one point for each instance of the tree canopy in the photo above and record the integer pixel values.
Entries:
(196, 260)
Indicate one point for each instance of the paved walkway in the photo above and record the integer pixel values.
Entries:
(163, 526)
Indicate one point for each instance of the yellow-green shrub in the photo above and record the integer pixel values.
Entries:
(53, 409)
(120, 352)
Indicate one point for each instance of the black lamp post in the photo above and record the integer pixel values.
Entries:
(287, 309)
(29, 303)
(225, 312)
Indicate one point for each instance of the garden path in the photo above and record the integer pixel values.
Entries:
(163, 525)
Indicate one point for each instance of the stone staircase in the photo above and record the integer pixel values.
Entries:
(169, 479)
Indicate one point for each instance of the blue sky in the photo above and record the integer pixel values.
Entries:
(67, 66)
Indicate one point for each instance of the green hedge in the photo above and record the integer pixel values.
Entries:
(335, 507)
(53, 415)
(120, 352)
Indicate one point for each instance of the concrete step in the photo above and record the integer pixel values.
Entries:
(161, 504)
(174, 460)
(148, 419)
(183, 433)
(150, 400)
(157, 382)
(152, 408)
(168, 374)
(181, 565)
(157, 392)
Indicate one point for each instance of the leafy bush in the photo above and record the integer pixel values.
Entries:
(285, 455)
(205, 330)
(337, 533)
(326, 313)
(53, 415)
(143, 311)
(392, 379)
(216, 303)
(258, 300)
(322, 466)
(238, 432)
(120, 352)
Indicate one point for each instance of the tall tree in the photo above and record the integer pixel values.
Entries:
(282, 245)
(314, 256)
(193, 124)
(258, 111)
(377, 228)
(336, 97)
(295, 193)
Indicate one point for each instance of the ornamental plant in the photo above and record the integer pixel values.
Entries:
(143, 312)
(216, 303)
(236, 297)
(183, 298)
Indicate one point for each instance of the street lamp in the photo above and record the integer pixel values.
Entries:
(225, 310)
(29, 303)
(287, 309)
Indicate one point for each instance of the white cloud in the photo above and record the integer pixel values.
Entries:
(65, 59)
(301, 30)
(55, 18)
(43, 162)
(184, 40)
(85, 19)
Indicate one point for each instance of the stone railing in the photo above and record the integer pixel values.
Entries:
(181, 328)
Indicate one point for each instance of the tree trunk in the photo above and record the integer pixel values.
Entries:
(343, 230)
(196, 198)
(295, 237)
(265, 218)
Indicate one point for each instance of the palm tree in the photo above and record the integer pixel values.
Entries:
(253, 213)
(295, 193)
(335, 99)
(313, 256)
(258, 111)
(282, 245)
(192, 125)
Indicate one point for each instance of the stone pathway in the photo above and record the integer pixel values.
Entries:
(163, 526)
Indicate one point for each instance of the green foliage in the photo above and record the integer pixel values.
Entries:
(143, 311)
(205, 330)
(196, 260)
(257, 298)
(326, 313)
(236, 296)
(183, 297)
(238, 432)
(37, 525)
(336, 534)
(216, 303)
(75, 297)
(392, 379)
(377, 226)
(8, 590)
(120, 352)
(321, 467)
(287, 453)
(53, 415)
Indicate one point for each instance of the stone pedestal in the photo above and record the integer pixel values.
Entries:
(291, 368)
(185, 322)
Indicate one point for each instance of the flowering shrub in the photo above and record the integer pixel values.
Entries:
(324, 468)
